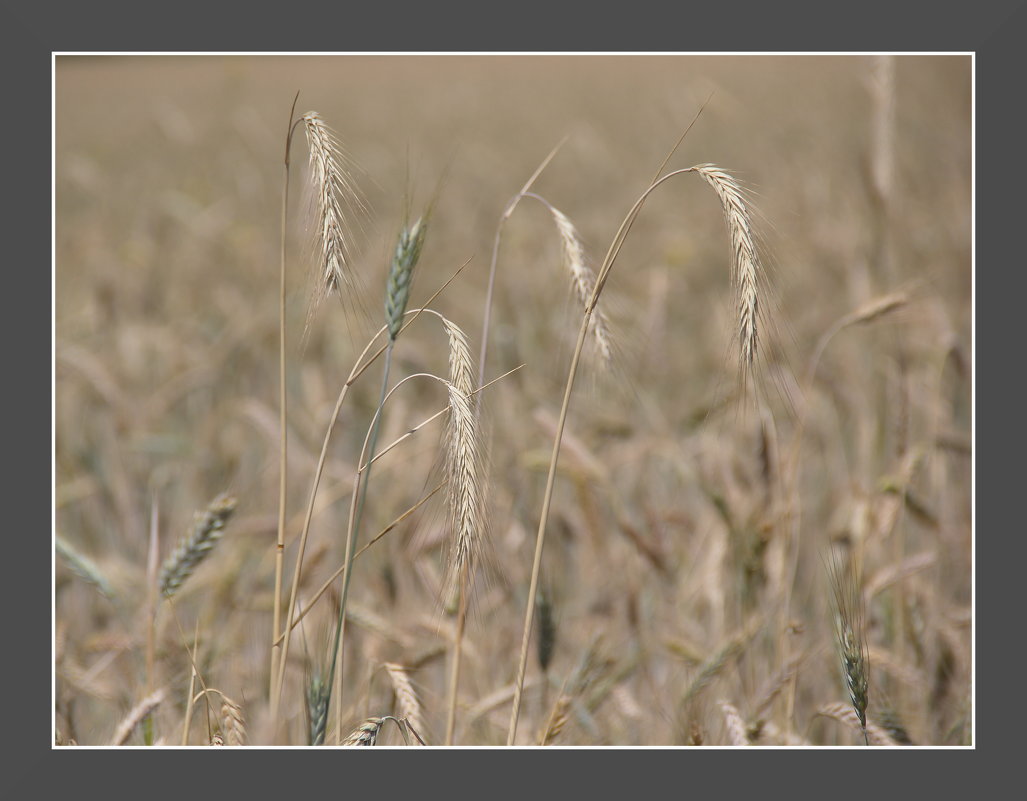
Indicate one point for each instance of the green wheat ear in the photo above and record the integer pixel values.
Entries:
(207, 530)
(397, 292)
(317, 709)
(850, 631)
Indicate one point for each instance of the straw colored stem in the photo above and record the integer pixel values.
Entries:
(604, 273)
(283, 412)
(362, 363)
(454, 675)
(356, 512)
(509, 210)
(541, 536)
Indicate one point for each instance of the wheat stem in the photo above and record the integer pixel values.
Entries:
(283, 410)
(507, 212)
(359, 368)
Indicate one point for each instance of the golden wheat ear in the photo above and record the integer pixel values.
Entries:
(582, 277)
(338, 208)
(746, 268)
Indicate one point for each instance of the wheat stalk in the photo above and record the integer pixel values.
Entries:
(362, 363)
(745, 270)
(397, 294)
(207, 530)
(507, 213)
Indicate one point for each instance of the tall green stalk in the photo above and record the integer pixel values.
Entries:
(397, 294)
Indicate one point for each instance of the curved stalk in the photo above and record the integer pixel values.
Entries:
(604, 273)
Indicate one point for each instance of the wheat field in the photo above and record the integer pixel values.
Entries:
(760, 528)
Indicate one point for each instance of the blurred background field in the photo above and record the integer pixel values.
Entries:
(677, 570)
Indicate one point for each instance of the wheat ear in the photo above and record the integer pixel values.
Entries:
(467, 518)
(850, 633)
(207, 531)
(746, 264)
(406, 697)
(317, 709)
(233, 721)
(136, 716)
(366, 734)
(334, 189)
(736, 728)
(582, 277)
(397, 289)
(83, 567)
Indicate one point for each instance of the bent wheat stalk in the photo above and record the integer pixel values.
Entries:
(397, 295)
(507, 212)
(745, 263)
(462, 441)
(363, 362)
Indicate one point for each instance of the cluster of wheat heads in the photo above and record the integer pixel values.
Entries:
(346, 694)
